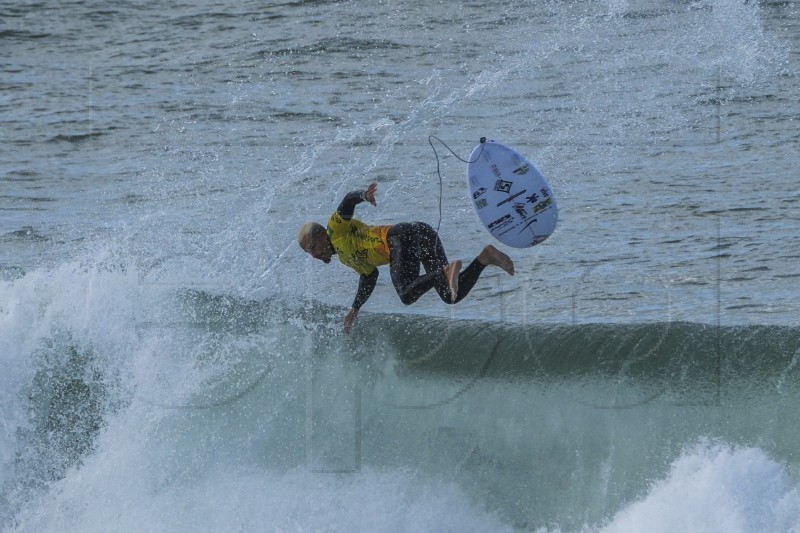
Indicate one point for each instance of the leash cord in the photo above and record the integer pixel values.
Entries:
(431, 138)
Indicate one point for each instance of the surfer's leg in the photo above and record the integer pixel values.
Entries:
(452, 275)
(451, 284)
(406, 245)
(415, 243)
(446, 276)
(492, 256)
(467, 279)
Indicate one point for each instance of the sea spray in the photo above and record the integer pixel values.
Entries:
(717, 487)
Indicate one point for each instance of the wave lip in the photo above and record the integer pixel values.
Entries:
(644, 350)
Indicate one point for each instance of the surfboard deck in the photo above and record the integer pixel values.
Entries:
(511, 196)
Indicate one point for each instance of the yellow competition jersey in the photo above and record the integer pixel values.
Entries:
(359, 246)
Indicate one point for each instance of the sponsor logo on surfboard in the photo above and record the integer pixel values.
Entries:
(503, 186)
(521, 211)
(533, 198)
(501, 222)
(532, 221)
(480, 204)
(511, 197)
(541, 206)
(477, 194)
(521, 170)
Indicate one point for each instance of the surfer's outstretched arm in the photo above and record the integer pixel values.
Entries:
(348, 204)
(366, 284)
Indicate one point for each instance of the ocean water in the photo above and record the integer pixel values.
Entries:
(172, 361)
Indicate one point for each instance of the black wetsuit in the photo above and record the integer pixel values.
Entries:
(411, 245)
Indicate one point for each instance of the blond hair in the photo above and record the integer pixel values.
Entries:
(308, 232)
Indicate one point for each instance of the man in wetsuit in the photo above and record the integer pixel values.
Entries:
(404, 247)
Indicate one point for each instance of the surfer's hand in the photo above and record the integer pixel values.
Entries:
(369, 194)
(349, 319)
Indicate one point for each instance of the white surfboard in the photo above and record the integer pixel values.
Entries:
(512, 198)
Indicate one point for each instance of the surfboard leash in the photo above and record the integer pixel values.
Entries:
(431, 138)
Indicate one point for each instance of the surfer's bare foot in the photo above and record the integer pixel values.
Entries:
(492, 256)
(452, 271)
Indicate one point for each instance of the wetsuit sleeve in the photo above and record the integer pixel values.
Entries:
(349, 203)
(366, 284)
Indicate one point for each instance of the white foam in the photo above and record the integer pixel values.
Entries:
(136, 479)
(86, 304)
(103, 498)
(716, 488)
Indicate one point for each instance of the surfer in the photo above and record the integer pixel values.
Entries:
(404, 247)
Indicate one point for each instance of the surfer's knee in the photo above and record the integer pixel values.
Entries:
(406, 298)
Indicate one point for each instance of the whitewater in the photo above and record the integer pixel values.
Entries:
(172, 361)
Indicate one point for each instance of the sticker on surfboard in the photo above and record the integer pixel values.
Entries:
(510, 195)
